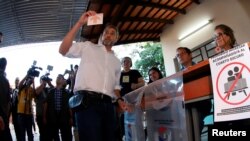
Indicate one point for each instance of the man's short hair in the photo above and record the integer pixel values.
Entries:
(61, 76)
(127, 58)
(76, 66)
(187, 50)
(3, 63)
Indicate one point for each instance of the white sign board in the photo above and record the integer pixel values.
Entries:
(230, 72)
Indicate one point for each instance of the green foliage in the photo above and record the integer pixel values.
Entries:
(150, 56)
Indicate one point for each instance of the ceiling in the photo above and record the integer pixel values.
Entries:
(32, 21)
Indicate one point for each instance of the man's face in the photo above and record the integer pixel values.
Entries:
(16, 81)
(183, 57)
(126, 64)
(109, 37)
(76, 68)
(60, 80)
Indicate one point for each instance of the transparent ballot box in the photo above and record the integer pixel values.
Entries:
(157, 111)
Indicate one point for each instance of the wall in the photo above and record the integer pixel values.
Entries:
(245, 5)
(230, 12)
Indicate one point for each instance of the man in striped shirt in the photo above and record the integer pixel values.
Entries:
(57, 114)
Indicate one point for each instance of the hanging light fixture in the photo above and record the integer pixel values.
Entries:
(194, 29)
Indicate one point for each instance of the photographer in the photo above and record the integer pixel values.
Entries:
(71, 77)
(42, 91)
(24, 108)
(14, 102)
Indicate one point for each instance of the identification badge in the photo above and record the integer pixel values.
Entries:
(125, 79)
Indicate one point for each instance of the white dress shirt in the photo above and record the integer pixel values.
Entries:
(99, 70)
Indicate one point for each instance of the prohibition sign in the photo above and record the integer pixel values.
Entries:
(221, 94)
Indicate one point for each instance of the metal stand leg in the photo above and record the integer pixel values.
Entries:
(195, 118)
(189, 124)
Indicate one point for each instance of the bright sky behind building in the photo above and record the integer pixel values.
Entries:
(20, 59)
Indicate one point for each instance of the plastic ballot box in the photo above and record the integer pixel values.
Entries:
(157, 111)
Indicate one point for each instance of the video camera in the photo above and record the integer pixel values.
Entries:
(46, 76)
(33, 72)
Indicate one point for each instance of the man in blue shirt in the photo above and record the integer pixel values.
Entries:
(184, 56)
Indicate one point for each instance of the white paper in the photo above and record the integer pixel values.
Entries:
(95, 20)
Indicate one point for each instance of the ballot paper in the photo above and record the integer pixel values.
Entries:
(95, 20)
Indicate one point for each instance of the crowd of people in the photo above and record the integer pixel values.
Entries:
(52, 115)
(98, 82)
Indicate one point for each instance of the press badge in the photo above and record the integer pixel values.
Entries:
(125, 79)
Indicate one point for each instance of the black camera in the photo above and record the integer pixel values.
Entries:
(46, 76)
(33, 72)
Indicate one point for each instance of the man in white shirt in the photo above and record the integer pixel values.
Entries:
(97, 80)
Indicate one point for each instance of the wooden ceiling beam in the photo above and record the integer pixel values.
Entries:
(106, 1)
(197, 1)
(120, 11)
(160, 6)
(144, 19)
(139, 40)
(132, 9)
(144, 3)
(141, 31)
(90, 36)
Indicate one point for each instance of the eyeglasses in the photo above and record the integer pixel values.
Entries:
(216, 36)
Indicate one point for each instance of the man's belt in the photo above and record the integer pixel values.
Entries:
(95, 96)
